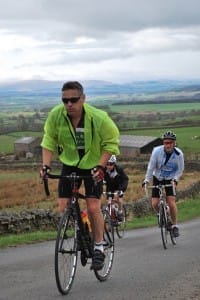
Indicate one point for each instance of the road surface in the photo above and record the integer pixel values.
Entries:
(142, 270)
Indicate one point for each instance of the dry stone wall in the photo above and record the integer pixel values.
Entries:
(40, 219)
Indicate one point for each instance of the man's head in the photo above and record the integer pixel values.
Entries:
(73, 85)
(169, 141)
(111, 162)
(73, 98)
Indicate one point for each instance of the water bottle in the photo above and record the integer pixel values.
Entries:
(85, 219)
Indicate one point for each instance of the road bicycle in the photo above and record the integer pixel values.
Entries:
(112, 207)
(74, 236)
(164, 218)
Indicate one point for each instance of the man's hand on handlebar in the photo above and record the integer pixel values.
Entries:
(144, 184)
(98, 173)
(120, 193)
(174, 182)
(44, 170)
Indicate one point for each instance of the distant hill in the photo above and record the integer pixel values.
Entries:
(42, 94)
(97, 87)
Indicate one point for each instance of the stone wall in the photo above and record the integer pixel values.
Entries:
(40, 219)
(27, 221)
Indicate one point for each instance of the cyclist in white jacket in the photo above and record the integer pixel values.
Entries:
(166, 165)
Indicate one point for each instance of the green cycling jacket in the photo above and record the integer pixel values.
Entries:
(100, 134)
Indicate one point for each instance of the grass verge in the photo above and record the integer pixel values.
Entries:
(187, 210)
(26, 238)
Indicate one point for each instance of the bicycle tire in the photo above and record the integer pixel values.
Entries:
(169, 227)
(109, 248)
(173, 239)
(163, 226)
(121, 226)
(66, 254)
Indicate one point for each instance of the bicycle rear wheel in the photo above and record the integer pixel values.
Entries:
(66, 253)
(121, 226)
(163, 225)
(108, 237)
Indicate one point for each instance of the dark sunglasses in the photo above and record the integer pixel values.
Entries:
(168, 143)
(110, 164)
(72, 100)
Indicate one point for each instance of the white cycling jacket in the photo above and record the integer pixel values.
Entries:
(157, 166)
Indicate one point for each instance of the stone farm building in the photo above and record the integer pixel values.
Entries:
(133, 145)
(130, 145)
(27, 147)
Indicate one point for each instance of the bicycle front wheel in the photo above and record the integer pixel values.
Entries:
(66, 253)
(173, 239)
(163, 226)
(121, 226)
(108, 238)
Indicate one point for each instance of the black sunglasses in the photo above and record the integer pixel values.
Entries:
(110, 164)
(72, 100)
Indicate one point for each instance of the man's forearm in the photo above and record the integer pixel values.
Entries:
(104, 159)
(47, 156)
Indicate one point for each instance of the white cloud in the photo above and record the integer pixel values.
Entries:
(113, 40)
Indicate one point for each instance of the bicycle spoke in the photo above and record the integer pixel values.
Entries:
(66, 253)
(121, 226)
(163, 226)
(103, 274)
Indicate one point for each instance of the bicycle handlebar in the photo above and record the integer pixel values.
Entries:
(160, 187)
(110, 193)
(72, 177)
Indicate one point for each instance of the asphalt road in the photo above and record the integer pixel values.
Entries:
(142, 270)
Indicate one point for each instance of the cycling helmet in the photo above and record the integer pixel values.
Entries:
(113, 159)
(170, 135)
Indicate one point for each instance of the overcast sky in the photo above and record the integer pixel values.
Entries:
(114, 40)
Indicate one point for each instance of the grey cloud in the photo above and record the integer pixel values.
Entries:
(114, 30)
(64, 21)
(106, 14)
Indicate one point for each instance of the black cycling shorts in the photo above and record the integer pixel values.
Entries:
(168, 190)
(92, 189)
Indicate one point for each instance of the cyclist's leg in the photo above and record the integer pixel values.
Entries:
(120, 213)
(96, 218)
(97, 224)
(154, 203)
(171, 200)
(155, 195)
(120, 202)
(62, 204)
(93, 194)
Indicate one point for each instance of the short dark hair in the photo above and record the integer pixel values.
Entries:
(72, 85)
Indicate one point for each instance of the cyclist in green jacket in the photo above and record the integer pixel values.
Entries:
(84, 138)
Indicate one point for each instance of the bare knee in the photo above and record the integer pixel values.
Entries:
(93, 206)
(154, 203)
(62, 204)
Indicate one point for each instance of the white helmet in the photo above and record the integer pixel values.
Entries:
(113, 159)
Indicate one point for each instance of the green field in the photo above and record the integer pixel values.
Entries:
(168, 107)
